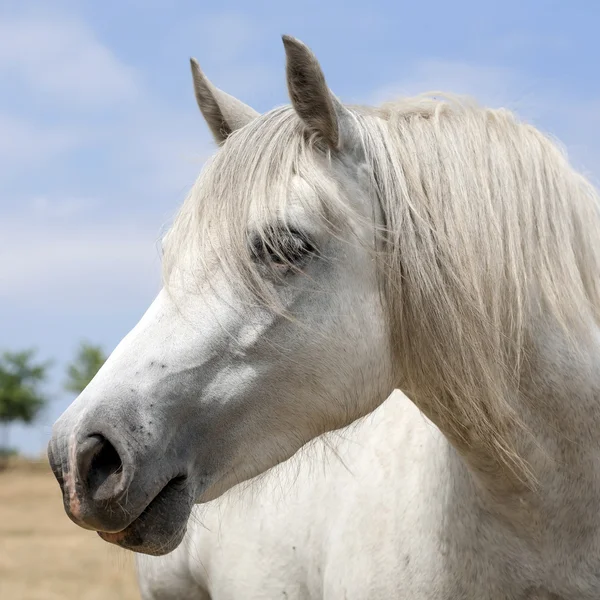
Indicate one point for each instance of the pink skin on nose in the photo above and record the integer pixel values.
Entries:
(70, 480)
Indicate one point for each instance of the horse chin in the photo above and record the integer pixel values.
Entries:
(162, 525)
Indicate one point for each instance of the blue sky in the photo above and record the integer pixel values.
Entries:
(100, 137)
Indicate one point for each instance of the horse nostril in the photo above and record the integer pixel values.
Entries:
(100, 468)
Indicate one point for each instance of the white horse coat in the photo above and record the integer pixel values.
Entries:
(324, 525)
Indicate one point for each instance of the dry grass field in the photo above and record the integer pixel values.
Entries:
(43, 556)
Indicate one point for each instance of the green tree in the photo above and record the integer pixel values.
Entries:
(21, 398)
(81, 371)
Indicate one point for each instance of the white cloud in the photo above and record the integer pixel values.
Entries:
(44, 207)
(44, 266)
(63, 60)
(59, 58)
(57, 64)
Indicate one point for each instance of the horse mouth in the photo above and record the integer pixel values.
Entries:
(160, 528)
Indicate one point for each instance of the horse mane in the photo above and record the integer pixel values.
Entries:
(488, 231)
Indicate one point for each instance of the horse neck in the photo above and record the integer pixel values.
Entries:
(559, 405)
(559, 397)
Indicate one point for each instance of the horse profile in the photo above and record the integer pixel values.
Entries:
(327, 256)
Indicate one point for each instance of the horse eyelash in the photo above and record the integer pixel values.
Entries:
(277, 242)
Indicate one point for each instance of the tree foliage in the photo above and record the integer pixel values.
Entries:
(21, 398)
(83, 369)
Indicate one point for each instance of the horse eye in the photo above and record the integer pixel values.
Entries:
(283, 249)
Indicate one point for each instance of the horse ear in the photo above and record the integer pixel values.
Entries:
(223, 113)
(319, 109)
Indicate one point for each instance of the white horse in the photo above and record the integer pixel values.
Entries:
(326, 256)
